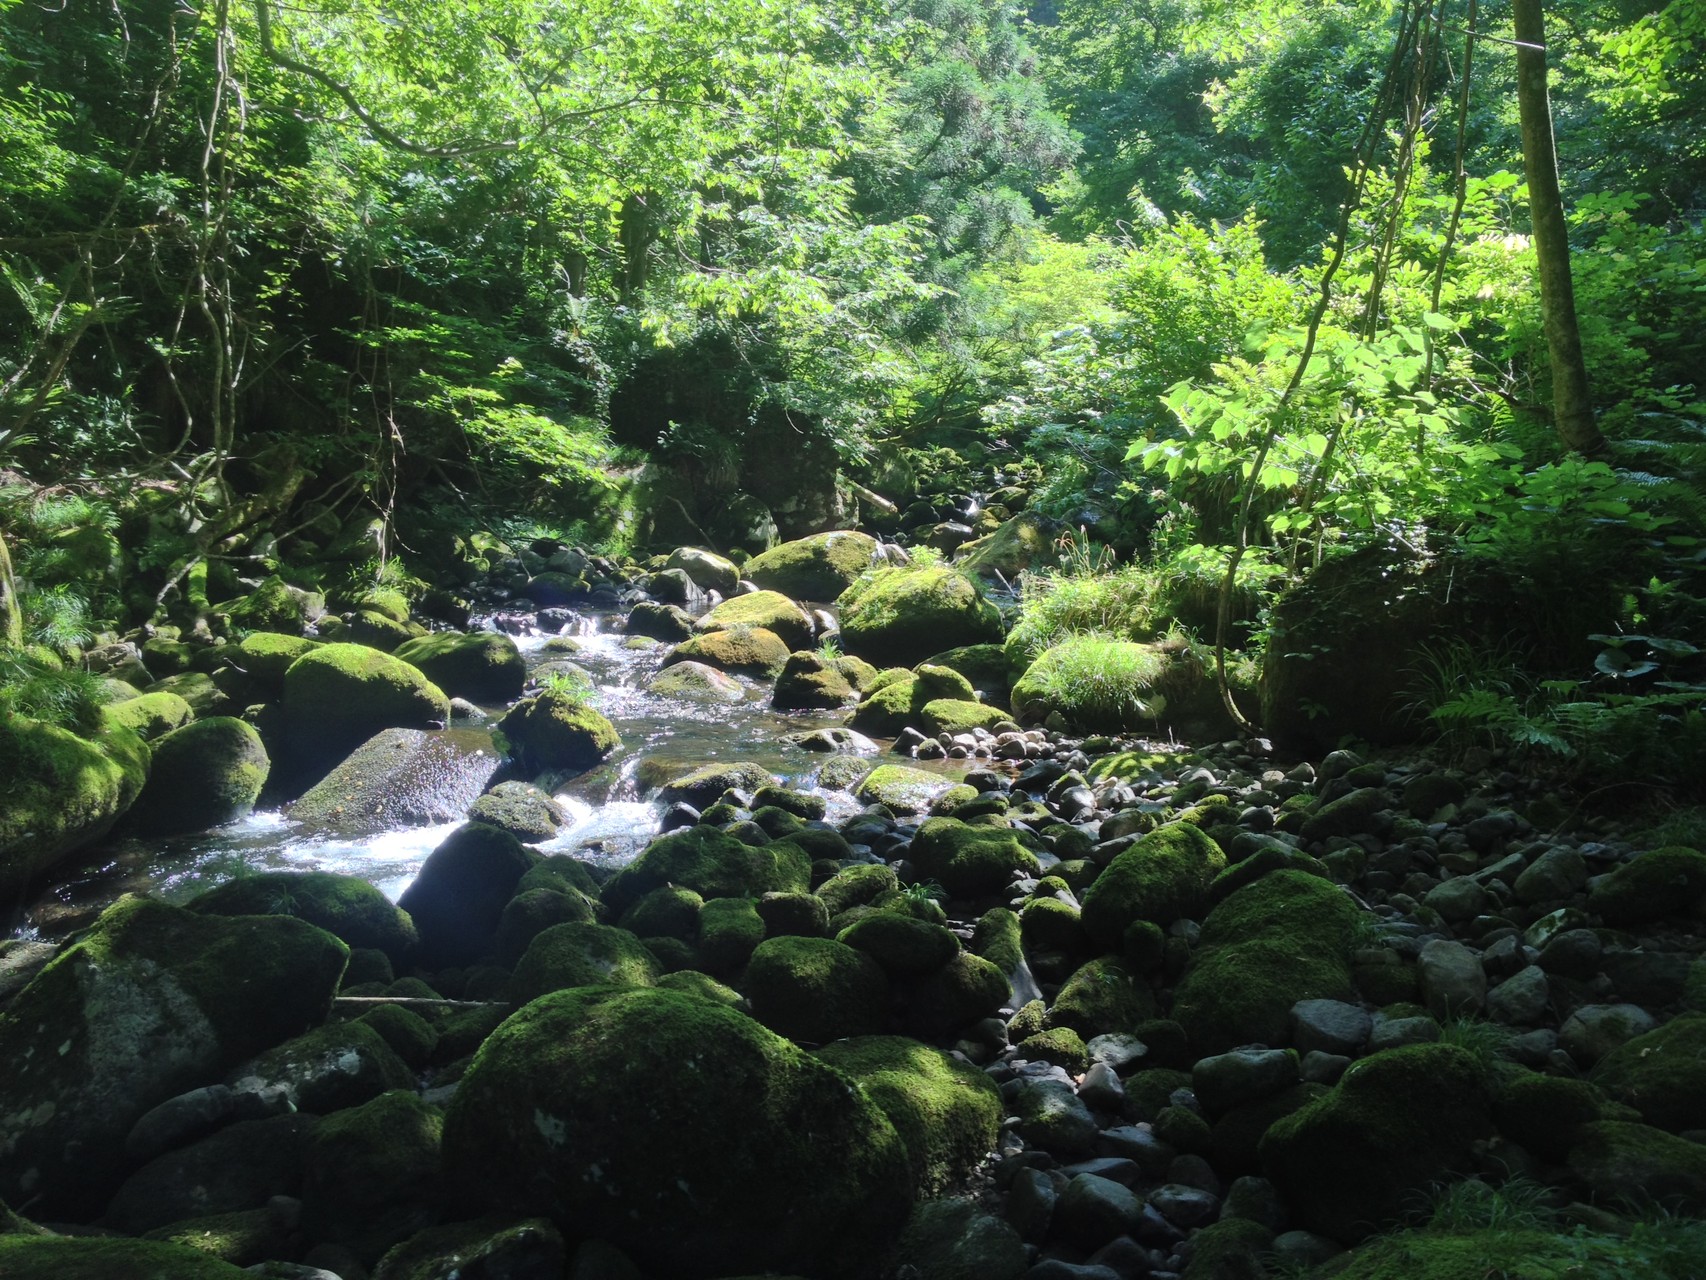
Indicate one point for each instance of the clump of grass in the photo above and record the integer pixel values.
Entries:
(1121, 604)
(1521, 1204)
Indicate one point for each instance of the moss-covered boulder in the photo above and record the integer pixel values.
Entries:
(857, 886)
(1110, 686)
(499, 1245)
(340, 695)
(947, 1112)
(1100, 997)
(904, 946)
(729, 930)
(902, 788)
(1650, 886)
(90, 1258)
(458, 896)
(275, 605)
(809, 681)
(267, 655)
(59, 793)
(1542, 1114)
(739, 650)
(816, 989)
(1164, 877)
(759, 1158)
(556, 730)
(897, 617)
(1018, 544)
(1529, 1252)
(1661, 1074)
(1638, 1164)
(1285, 938)
(346, 907)
(820, 567)
(371, 1174)
(713, 865)
(956, 715)
(766, 610)
(1362, 1158)
(702, 785)
(523, 810)
(207, 773)
(152, 1001)
(961, 992)
(659, 621)
(581, 955)
(482, 666)
(968, 861)
(341, 1064)
(696, 682)
(148, 715)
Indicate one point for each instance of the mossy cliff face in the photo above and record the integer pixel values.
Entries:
(902, 616)
(153, 1001)
(683, 1132)
(59, 792)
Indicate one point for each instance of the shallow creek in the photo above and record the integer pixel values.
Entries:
(610, 820)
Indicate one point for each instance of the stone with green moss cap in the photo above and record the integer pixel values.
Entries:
(1100, 997)
(765, 610)
(958, 994)
(947, 1112)
(1285, 938)
(897, 699)
(1529, 1252)
(816, 989)
(267, 655)
(275, 605)
(207, 773)
(696, 682)
(152, 1001)
(1662, 1074)
(1650, 886)
(340, 695)
(581, 954)
(1624, 1163)
(729, 930)
(458, 896)
(341, 1064)
(699, 1142)
(1164, 877)
(148, 715)
(901, 787)
(59, 793)
(713, 865)
(482, 666)
(819, 568)
(968, 861)
(901, 616)
(1362, 1158)
(902, 945)
(557, 731)
(810, 681)
(371, 1173)
(739, 650)
(84, 1258)
(346, 907)
(496, 1245)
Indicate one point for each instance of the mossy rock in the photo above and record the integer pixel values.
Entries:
(983, 666)
(148, 715)
(895, 701)
(856, 886)
(999, 938)
(963, 991)
(1050, 925)
(761, 1158)
(242, 1237)
(968, 861)
(900, 616)
(947, 1112)
(150, 1002)
(346, 907)
(659, 621)
(1062, 1046)
(1655, 884)
(1636, 1164)
(497, 1245)
(208, 773)
(411, 1037)
(1018, 544)
(1349, 815)
(696, 682)
(267, 655)
(275, 605)
(1362, 1158)
(954, 716)
(1111, 686)
(729, 930)
(532, 911)
(89, 1258)
(338, 1065)
(482, 666)
(669, 911)
(819, 567)
(802, 804)
(581, 955)
(340, 695)
(1163, 877)
(701, 786)
(902, 788)
(1530, 1253)
(523, 810)
(810, 682)
(1662, 1074)
(713, 865)
(745, 651)
(816, 989)
(458, 896)
(764, 610)
(200, 690)
(1542, 1114)
(1285, 938)
(557, 731)
(1100, 997)
(371, 1173)
(903, 946)
(60, 793)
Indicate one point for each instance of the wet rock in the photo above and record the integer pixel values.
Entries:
(1553, 876)
(400, 778)
(1232, 1079)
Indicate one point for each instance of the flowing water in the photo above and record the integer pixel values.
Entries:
(610, 820)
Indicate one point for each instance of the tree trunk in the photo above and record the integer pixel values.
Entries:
(1572, 412)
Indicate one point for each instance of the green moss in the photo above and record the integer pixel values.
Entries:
(947, 1113)
(581, 955)
(1360, 1159)
(1163, 877)
(338, 1065)
(998, 938)
(482, 666)
(961, 992)
(347, 907)
(267, 655)
(411, 1037)
(60, 792)
(701, 1143)
(557, 731)
(1285, 938)
(1050, 925)
(1658, 883)
(856, 886)
(387, 603)
(816, 989)
(820, 567)
(968, 861)
(207, 773)
(273, 606)
(500, 1245)
(1235, 1138)
(1542, 1113)
(1060, 1045)
(75, 1258)
(1096, 683)
(1640, 1166)
(340, 695)
(1100, 997)
(729, 929)
(703, 985)
(902, 788)
(364, 1167)
(903, 946)
(984, 666)
(1662, 1074)
(668, 911)
(713, 865)
(1232, 1249)
(766, 610)
(1259, 864)
(1481, 1255)
(241, 1238)
(953, 716)
(1151, 1090)
(704, 784)
(148, 715)
(902, 615)
(1349, 815)
(747, 651)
